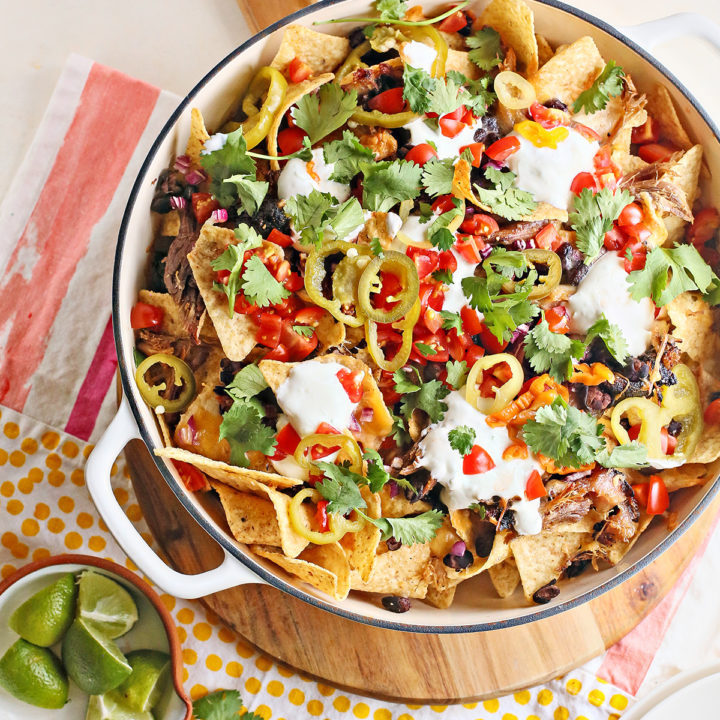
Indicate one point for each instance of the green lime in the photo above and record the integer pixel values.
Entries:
(107, 604)
(92, 660)
(104, 707)
(146, 684)
(34, 675)
(44, 618)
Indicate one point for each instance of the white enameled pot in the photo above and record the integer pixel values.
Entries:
(475, 608)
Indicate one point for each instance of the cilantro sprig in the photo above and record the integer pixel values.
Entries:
(486, 49)
(551, 352)
(609, 83)
(221, 705)
(259, 285)
(611, 335)
(437, 176)
(439, 233)
(478, 98)
(390, 13)
(456, 373)
(426, 396)
(461, 439)
(387, 183)
(348, 155)
(317, 217)
(321, 113)
(244, 430)
(503, 198)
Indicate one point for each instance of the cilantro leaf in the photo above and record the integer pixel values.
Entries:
(611, 335)
(410, 530)
(232, 259)
(503, 199)
(391, 9)
(341, 487)
(479, 98)
(447, 96)
(428, 398)
(462, 439)
(348, 154)
(322, 112)
(404, 382)
(486, 50)
(633, 454)
(377, 475)
(456, 373)
(399, 433)
(668, 272)
(551, 352)
(376, 247)
(417, 86)
(438, 232)
(345, 218)
(443, 276)
(425, 349)
(387, 183)
(593, 217)
(307, 213)
(247, 383)
(259, 286)
(229, 161)
(451, 320)
(251, 192)
(219, 705)
(243, 428)
(305, 330)
(609, 83)
(437, 176)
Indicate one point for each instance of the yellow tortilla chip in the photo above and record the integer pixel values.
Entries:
(693, 321)
(504, 577)
(663, 111)
(604, 121)
(330, 332)
(172, 323)
(438, 598)
(323, 53)
(325, 567)
(684, 173)
(361, 547)
(252, 519)
(293, 94)
(545, 51)
(400, 506)
(653, 221)
(373, 431)
(198, 136)
(459, 61)
(570, 71)
(514, 20)
(687, 475)
(500, 551)
(615, 553)
(236, 333)
(170, 224)
(405, 571)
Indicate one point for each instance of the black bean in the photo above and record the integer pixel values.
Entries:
(674, 428)
(393, 544)
(576, 567)
(161, 204)
(357, 36)
(596, 400)
(458, 562)
(488, 132)
(485, 539)
(556, 104)
(396, 604)
(546, 593)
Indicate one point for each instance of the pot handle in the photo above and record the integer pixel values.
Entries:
(230, 573)
(653, 32)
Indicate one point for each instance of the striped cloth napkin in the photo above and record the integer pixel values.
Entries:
(59, 224)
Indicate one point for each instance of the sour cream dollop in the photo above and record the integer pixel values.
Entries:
(605, 290)
(295, 178)
(312, 394)
(546, 173)
(419, 55)
(506, 480)
(447, 147)
(455, 299)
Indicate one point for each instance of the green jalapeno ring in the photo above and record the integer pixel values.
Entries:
(376, 118)
(184, 378)
(352, 62)
(391, 261)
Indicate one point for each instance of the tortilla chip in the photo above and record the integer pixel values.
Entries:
(514, 20)
(236, 333)
(542, 558)
(504, 577)
(400, 506)
(198, 136)
(170, 224)
(438, 598)
(653, 221)
(500, 551)
(570, 71)
(684, 173)
(615, 553)
(694, 319)
(325, 567)
(373, 431)
(361, 547)
(545, 51)
(708, 449)
(293, 94)
(252, 519)
(687, 475)
(323, 53)
(172, 322)
(662, 109)
(454, 41)
(405, 571)
(604, 121)
(330, 333)
(459, 61)
(164, 430)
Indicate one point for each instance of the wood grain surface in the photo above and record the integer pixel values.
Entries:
(390, 664)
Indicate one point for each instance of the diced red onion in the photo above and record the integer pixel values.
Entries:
(366, 415)
(187, 434)
(177, 202)
(354, 424)
(182, 163)
(520, 332)
(394, 489)
(195, 177)
(459, 548)
(219, 215)
(486, 252)
(495, 164)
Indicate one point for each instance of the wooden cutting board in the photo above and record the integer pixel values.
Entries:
(385, 663)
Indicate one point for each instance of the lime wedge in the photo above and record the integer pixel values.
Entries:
(44, 618)
(92, 660)
(106, 604)
(103, 707)
(34, 675)
(146, 684)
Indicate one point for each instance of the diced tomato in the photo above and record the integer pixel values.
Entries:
(243, 307)
(638, 255)
(468, 118)
(193, 478)
(282, 271)
(503, 148)
(387, 336)
(658, 500)
(712, 413)
(457, 344)
(476, 150)
(706, 223)
(639, 231)
(294, 282)
(222, 276)
(443, 204)
(386, 384)
(321, 516)
(298, 346)
(310, 316)
(287, 306)
(320, 451)
(477, 461)
(280, 353)
(473, 354)
(279, 238)
(390, 287)
(450, 128)
(456, 114)
(435, 341)
(548, 238)
(298, 71)
(634, 432)
(558, 319)
(710, 255)
(456, 21)
(648, 132)
(268, 334)
(352, 383)
(631, 214)
(431, 295)
(287, 442)
(479, 224)
(614, 239)
(549, 118)
(203, 205)
(656, 152)
(581, 181)
(641, 493)
(420, 154)
(668, 443)
(468, 248)
(290, 140)
(326, 429)
(488, 385)
(432, 320)
(389, 102)
(471, 322)
(447, 261)
(144, 315)
(490, 342)
(426, 261)
(534, 487)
